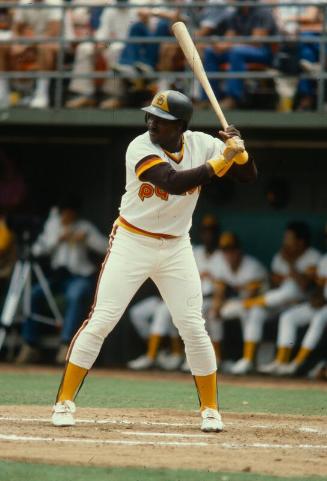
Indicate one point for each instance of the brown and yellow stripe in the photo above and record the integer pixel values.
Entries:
(136, 230)
(146, 164)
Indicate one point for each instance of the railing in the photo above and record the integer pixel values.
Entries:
(60, 74)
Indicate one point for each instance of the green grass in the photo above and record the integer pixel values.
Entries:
(100, 391)
(10, 471)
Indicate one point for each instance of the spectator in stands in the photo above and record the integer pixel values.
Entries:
(5, 34)
(33, 22)
(239, 276)
(66, 239)
(245, 21)
(307, 22)
(114, 23)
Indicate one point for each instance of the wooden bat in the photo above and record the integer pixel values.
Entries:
(192, 56)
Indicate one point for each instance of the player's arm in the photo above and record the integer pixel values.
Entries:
(241, 173)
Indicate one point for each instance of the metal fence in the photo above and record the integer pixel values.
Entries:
(60, 74)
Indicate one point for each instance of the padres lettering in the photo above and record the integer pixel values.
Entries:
(148, 190)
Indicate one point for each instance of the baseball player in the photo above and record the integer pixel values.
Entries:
(312, 314)
(240, 276)
(165, 168)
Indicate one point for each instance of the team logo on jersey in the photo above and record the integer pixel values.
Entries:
(148, 190)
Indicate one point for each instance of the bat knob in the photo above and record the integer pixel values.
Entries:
(241, 158)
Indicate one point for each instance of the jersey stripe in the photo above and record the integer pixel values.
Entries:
(132, 228)
(147, 165)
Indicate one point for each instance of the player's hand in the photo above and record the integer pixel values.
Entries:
(230, 132)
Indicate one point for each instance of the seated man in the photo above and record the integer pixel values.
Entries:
(32, 22)
(245, 21)
(312, 314)
(240, 275)
(66, 239)
(7, 254)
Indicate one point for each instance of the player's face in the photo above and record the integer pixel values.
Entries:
(290, 242)
(165, 133)
(209, 237)
(68, 216)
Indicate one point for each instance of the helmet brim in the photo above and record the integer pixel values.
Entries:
(158, 112)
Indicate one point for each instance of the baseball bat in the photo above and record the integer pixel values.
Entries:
(193, 58)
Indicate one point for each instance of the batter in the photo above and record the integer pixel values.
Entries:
(165, 169)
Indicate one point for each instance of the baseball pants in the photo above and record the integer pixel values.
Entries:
(300, 316)
(141, 315)
(130, 260)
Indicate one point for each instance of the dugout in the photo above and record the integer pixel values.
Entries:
(83, 152)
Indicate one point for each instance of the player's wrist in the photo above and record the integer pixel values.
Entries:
(220, 165)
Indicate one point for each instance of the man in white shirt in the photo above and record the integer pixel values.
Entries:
(66, 239)
(33, 22)
(239, 276)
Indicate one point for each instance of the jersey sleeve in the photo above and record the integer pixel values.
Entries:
(141, 155)
(278, 265)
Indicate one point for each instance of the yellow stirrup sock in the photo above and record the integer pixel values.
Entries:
(72, 380)
(176, 345)
(249, 350)
(283, 354)
(153, 346)
(302, 355)
(207, 391)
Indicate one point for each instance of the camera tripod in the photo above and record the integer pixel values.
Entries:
(17, 305)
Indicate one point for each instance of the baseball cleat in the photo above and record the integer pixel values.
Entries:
(287, 369)
(141, 363)
(270, 368)
(211, 421)
(169, 362)
(319, 371)
(242, 366)
(62, 414)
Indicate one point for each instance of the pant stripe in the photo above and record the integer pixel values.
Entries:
(111, 239)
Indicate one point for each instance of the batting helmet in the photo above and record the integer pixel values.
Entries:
(171, 105)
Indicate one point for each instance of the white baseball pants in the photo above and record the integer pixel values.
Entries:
(130, 260)
(299, 316)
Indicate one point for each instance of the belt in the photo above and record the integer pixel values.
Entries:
(136, 230)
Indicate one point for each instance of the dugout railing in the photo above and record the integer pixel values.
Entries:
(60, 73)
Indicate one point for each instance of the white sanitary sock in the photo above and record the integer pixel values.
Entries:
(4, 93)
(42, 87)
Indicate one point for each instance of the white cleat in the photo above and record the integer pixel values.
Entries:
(211, 421)
(169, 362)
(141, 363)
(271, 368)
(185, 367)
(62, 414)
(39, 102)
(242, 366)
(287, 369)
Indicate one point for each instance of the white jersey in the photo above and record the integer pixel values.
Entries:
(38, 18)
(250, 275)
(306, 263)
(322, 273)
(205, 263)
(151, 209)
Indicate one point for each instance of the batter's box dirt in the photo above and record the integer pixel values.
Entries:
(270, 444)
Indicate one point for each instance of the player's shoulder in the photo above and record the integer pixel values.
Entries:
(311, 255)
(142, 139)
(200, 136)
(253, 263)
(141, 147)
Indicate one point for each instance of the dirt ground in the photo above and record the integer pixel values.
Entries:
(270, 444)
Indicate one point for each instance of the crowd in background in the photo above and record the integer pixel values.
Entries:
(237, 288)
(134, 65)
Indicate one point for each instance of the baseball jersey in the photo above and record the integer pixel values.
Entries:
(322, 273)
(150, 208)
(251, 274)
(204, 262)
(304, 264)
